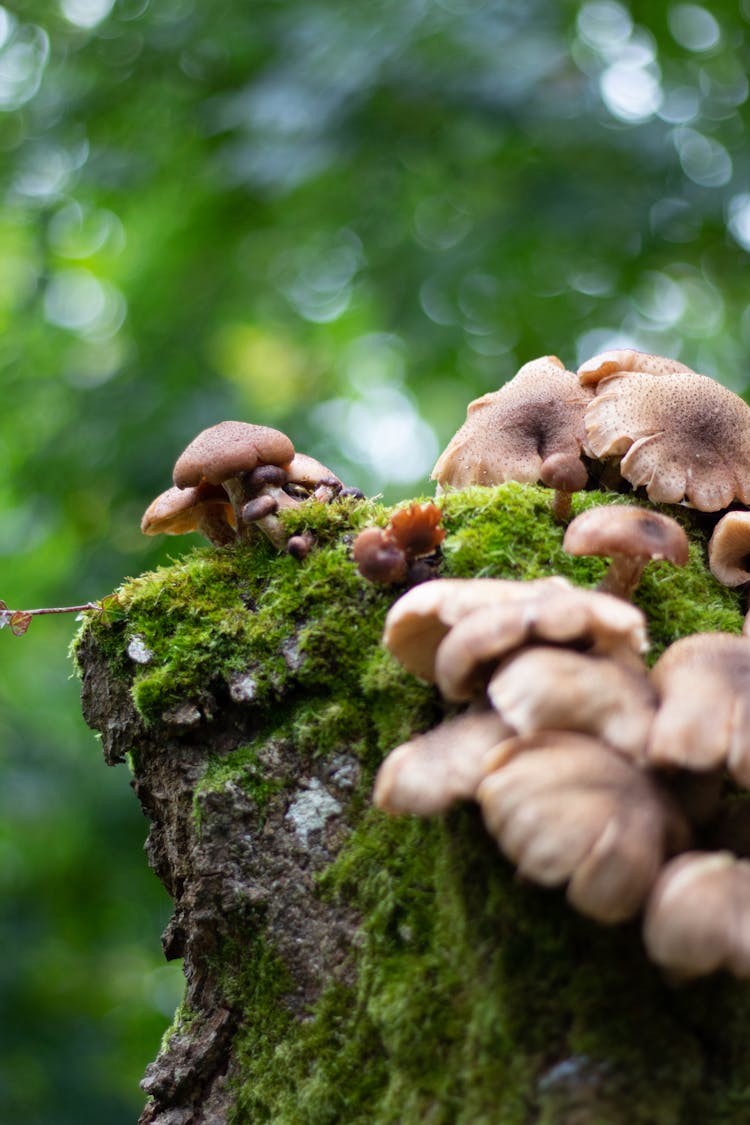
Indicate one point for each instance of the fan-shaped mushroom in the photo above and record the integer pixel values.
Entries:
(205, 509)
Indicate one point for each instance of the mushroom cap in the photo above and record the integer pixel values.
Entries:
(703, 719)
(429, 772)
(627, 359)
(684, 437)
(565, 808)
(228, 449)
(377, 558)
(416, 623)
(178, 510)
(546, 688)
(308, 472)
(729, 549)
(479, 641)
(625, 529)
(416, 529)
(698, 915)
(509, 433)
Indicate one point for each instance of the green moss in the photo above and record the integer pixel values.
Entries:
(470, 990)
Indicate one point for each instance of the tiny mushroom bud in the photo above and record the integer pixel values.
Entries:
(377, 558)
(205, 509)
(564, 808)
(547, 688)
(698, 915)
(566, 474)
(703, 719)
(431, 771)
(631, 537)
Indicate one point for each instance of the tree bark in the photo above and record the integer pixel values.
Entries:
(342, 965)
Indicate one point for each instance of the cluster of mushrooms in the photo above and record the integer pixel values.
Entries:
(235, 477)
(591, 770)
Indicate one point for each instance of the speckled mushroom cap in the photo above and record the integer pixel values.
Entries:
(228, 449)
(683, 437)
(563, 807)
(178, 510)
(416, 623)
(703, 719)
(729, 549)
(307, 471)
(428, 773)
(698, 915)
(626, 529)
(510, 433)
(586, 618)
(547, 688)
(627, 359)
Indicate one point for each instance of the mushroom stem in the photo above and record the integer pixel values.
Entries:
(237, 494)
(212, 523)
(562, 506)
(623, 576)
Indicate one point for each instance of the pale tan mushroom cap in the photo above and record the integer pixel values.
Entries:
(628, 359)
(703, 719)
(427, 774)
(416, 623)
(307, 471)
(178, 511)
(698, 915)
(479, 641)
(624, 529)
(729, 549)
(509, 433)
(682, 437)
(565, 808)
(228, 449)
(546, 688)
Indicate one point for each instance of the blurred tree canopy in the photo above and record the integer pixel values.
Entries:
(343, 220)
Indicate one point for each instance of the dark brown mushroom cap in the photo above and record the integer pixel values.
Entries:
(698, 915)
(624, 529)
(684, 437)
(565, 808)
(178, 510)
(703, 719)
(228, 449)
(417, 623)
(627, 359)
(729, 549)
(428, 773)
(509, 433)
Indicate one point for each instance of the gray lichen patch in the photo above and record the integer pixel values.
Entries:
(311, 808)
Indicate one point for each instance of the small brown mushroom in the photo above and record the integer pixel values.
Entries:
(703, 719)
(546, 688)
(683, 437)
(224, 454)
(565, 808)
(515, 432)
(416, 623)
(312, 477)
(628, 359)
(467, 656)
(379, 559)
(429, 772)
(698, 915)
(205, 509)
(631, 537)
(416, 529)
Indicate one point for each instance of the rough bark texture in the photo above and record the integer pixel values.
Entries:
(340, 965)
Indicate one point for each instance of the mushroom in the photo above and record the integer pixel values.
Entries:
(684, 437)
(416, 623)
(529, 430)
(379, 559)
(310, 477)
(546, 688)
(729, 549)
(477, 643)
(429, 772)
(631, 537)
(628, 359)
(703, 719)
(205, 509)
(698, 915)
(384, 554)
(224, 454)
(565, 808)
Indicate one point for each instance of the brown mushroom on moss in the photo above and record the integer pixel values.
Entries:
(698, 915)
(205, 509)
(529, 430)
(631, 537)
(566, 809)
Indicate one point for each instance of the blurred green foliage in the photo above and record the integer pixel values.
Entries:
(343, 220)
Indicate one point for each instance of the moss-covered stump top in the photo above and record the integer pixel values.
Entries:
(341, 965)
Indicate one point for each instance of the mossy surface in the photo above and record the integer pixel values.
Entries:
(475, 1000)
